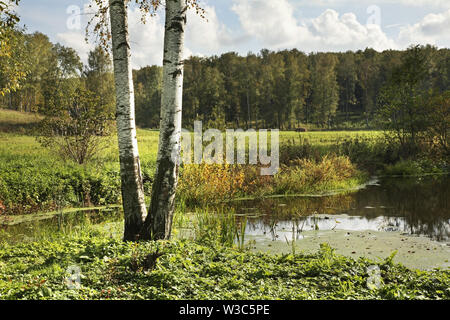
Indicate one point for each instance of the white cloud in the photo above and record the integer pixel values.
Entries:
(276, 27)
(432, 29)
(271, 22)
(206, 36)
(147, 40)
(76, 40)
(335, 33)
(412, 3)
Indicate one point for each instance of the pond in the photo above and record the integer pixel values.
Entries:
(414, 206)
(16, 229)
(407, 215)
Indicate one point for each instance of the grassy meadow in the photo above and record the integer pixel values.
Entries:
(34, 178)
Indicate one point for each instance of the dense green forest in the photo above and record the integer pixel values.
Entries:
(288, 89)
(284, 89)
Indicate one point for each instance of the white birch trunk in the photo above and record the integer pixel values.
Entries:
(158, 224)
(130, 170)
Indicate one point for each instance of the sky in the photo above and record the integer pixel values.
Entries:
(246, 26)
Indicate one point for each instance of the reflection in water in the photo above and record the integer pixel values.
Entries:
(418, 206)
(64, 223)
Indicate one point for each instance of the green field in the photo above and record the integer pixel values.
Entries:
(16, 143)
(33, 177)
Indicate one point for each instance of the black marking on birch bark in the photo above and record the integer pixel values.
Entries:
(123, 44)
(166, 61)
(119, 59)
(123, 32)
(179, 18)
(176, 73)
(176, 25)
(122, 113)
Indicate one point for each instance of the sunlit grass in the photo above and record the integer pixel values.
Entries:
(13, 145)
(11, 117)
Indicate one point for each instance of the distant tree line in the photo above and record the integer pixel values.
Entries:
(287, 89)
(52, 73)
(284, 89)
(76, 99)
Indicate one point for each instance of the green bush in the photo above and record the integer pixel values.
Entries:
(329, 173)
(368, 152)
(30, 185)
(421, 166)
(403, 168)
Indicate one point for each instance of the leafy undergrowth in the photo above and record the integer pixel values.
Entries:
(111, 269)
(416, 168)
(30, 185)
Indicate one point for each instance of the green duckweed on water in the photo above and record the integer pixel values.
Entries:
(415, 252)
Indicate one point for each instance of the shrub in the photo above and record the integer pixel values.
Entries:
(403, 168)
(213, 183)
(298, 150)
(208, 183)
(28, 186)
(81, 121)
(306, 175)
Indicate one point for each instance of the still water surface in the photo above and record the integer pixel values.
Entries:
(414, 206)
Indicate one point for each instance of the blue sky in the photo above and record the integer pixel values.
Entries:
(250, 25)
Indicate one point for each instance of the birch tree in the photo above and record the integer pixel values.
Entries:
(158, 223)
(130, 170)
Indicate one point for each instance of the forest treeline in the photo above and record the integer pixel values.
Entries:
(284, 89)
(53, 76)
(288, 89)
